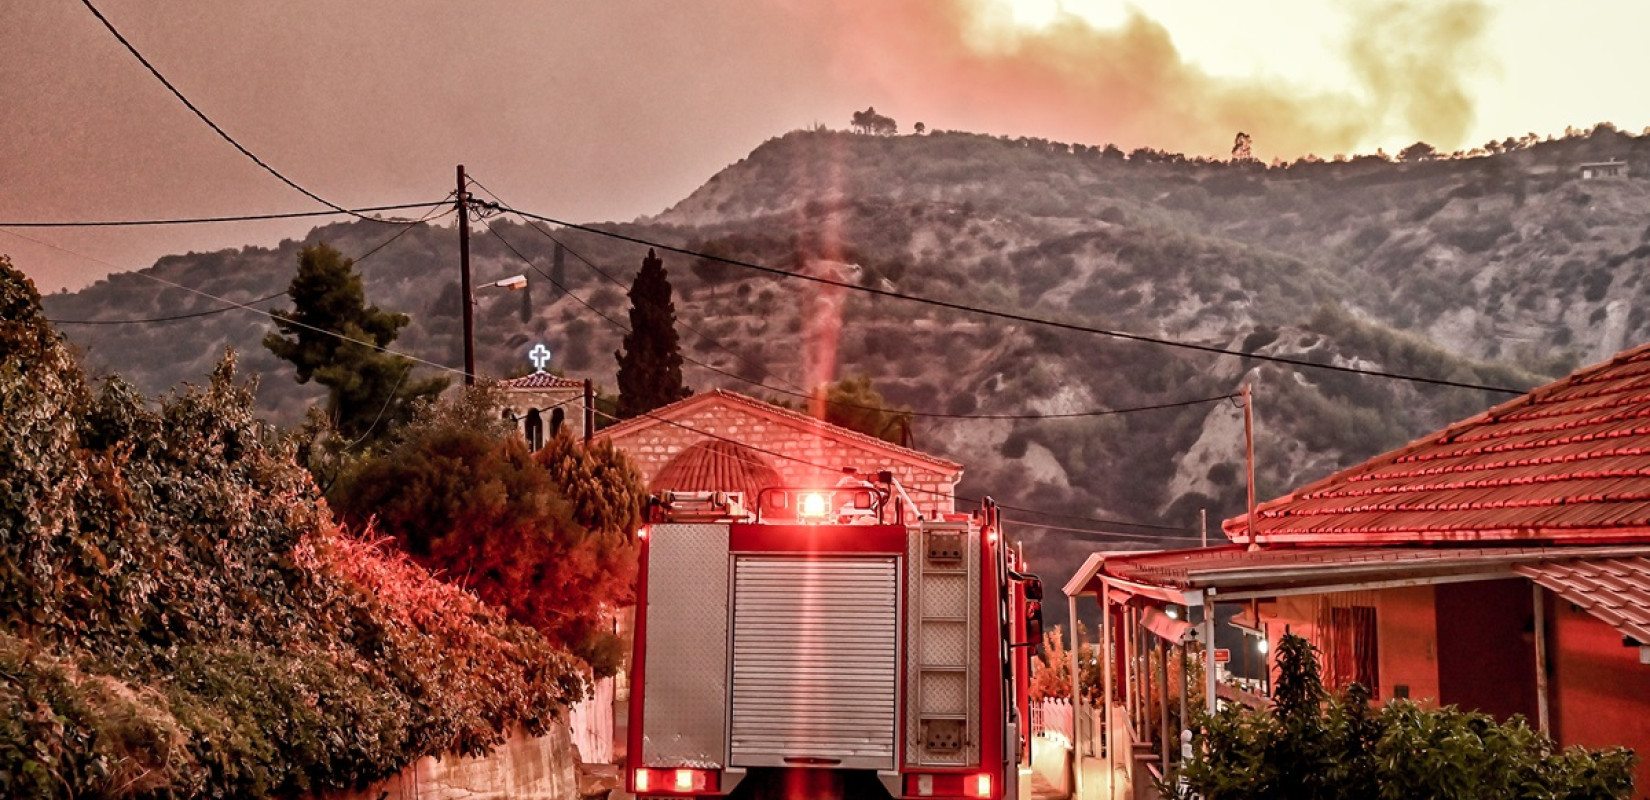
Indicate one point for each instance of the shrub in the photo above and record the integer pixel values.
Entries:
(1311, 744)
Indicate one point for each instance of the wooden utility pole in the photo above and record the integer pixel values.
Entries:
(1249, 458)
(464, 290)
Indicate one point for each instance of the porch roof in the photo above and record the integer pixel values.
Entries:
(1614, 590)
(1610, 574)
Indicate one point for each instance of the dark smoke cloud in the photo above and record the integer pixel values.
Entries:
(955, 62)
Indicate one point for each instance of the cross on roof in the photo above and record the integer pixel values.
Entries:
(539, 355)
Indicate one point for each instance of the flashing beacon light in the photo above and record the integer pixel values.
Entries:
(813, 505)
(641, 533)
(684, 780)
(642, 780)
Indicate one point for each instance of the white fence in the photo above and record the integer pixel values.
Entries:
(1052, 718)
(591, 723)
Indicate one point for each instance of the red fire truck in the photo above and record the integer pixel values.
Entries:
(829, 643)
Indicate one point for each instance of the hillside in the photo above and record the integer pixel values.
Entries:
(1503, 269)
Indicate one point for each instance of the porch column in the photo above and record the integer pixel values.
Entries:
(1108, 741)
(1185, 722)
(1540, 606)
(1163, 703)
(1131, 675)
(1076, 706)
(1209, 653)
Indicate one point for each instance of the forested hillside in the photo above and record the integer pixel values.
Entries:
(1502, 267)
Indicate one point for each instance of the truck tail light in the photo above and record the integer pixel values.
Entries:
(982, 785)
(685, 781)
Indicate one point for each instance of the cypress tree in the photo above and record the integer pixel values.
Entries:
(650, 365)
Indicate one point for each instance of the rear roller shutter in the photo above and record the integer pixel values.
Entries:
(815, 661)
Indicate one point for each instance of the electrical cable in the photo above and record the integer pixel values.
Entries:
(799, 391)
(248, 307)
(839, 404)
(1182, 532)
(208, 120)
(1016, 317)
(211, 311)
(127, 223)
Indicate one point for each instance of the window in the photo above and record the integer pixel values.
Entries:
(1349, 642)
(535, 431)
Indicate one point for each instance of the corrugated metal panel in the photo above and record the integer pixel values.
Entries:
(684, 696)
(815, 660)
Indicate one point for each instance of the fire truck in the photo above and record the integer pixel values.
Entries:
(829, 643)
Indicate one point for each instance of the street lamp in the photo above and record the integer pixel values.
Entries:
(512, 283)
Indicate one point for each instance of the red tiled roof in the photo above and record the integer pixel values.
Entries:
(1569, 461)
(796, 419)
(541, 380)
(1615, 590)
(717, 466)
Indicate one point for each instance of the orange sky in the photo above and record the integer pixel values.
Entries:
(598, 111)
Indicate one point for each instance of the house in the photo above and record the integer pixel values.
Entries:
(1501, 564)
(724, 440)
(1602, 169)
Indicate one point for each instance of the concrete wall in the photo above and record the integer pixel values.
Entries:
(523, 768)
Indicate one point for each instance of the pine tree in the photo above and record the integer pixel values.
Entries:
(333, 337)
(650, 365)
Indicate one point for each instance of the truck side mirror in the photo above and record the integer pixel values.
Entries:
(1033, 587)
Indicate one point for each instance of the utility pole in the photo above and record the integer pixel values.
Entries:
(464, 290)
(1249, 458)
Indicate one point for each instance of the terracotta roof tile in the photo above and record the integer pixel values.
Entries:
(1569, 461)
(541, 380)
(797, 419)
(717, 466)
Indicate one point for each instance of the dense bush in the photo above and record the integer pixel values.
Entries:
(182, 618)
(1314, 745)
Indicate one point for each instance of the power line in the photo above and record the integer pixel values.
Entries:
(208, 120)
(209, 312)
(839, 404)
(128, 223)
(800, 392)
(247, 307)
(1168, 530)
(1021, 318)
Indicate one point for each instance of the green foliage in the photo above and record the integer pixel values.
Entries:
(650, 365)
(854, 404)
(332, 336)
(181, 617)
(1311, 745)
(547, 539)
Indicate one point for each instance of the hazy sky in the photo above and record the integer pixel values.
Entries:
(609, 110)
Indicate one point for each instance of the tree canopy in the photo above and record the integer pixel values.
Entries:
(546, 537)
(650, 365)
(332, 336)
(180, 616)
(870, 122)
(854, 404)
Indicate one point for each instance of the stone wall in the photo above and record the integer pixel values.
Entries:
(523, 768)
(654, 446)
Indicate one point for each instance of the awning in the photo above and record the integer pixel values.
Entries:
(1173, 631)
(1615, 590)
